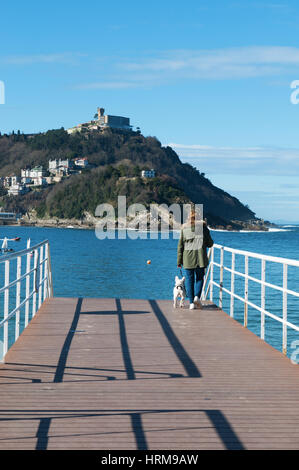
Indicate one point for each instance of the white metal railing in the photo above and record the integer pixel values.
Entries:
(210, 282)
(38, 286)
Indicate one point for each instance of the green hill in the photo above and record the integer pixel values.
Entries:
(116, 159)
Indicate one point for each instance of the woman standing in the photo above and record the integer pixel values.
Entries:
(192, 255)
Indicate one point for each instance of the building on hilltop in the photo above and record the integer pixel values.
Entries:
(103, 122)
(117, 122)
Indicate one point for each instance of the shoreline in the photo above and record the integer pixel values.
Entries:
(89, 222)
(71, 225)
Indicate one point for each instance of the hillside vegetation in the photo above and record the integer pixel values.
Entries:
(117, 159)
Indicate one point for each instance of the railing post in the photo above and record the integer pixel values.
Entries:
(35, 282)
(41, 254)
(221, 276)
(246, 293)
(28, 265)
(6, 308)
(285, 309)
(263, 299)
(49, 272)
(43, 285)
(46, 274)
(205, 289)
(18, 297)
(212, 274)
(232, 286)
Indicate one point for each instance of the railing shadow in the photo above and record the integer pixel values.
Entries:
(182, 355)
(58, 377)
(190, 367)
(124, 343)
(217, 419)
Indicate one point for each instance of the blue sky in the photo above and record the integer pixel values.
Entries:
(210, 78)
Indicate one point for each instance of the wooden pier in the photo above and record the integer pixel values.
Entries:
(138, 374)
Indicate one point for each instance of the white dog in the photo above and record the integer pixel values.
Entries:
(179, 291)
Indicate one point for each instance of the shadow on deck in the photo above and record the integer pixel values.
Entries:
(137, 374)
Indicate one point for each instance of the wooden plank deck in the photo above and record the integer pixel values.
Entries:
(137, 374)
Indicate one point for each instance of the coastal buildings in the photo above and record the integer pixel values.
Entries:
(39, 177)
(7, 217)
(19, 185)
(103, 121)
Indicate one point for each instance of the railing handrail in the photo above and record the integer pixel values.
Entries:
(41, 288)
(274, 259)
(16, 254)
(230, 290)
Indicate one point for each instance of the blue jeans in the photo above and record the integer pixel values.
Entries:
(194, 282)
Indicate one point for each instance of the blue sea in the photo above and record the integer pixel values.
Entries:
(84, 266)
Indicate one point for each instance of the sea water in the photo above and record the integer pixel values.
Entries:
(84, 266)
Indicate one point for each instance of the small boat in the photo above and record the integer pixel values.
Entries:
(4, 248)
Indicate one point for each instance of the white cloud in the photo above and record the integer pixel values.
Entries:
(262, 5)
(62, 58)
(164, 67)
(238, 62)
(240, 160)
(109, 85)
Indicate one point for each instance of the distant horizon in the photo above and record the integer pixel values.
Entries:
(285, 222)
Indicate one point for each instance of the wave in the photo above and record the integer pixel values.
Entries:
(237, 231)
(250, 231)
(278, 230)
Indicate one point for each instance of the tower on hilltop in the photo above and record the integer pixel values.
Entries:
(100, 113)
(102, 121)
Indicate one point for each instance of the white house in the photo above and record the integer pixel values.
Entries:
(83, 162)
(14, 180)
(10, 180)
(29, 175)
(37, 172)
(25, 173)
(58, 166)
(25, 176)
(17, 189)
(148, 173)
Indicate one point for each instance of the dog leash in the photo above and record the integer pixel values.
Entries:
(183, 286)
